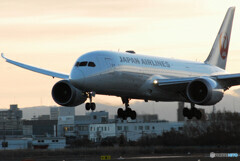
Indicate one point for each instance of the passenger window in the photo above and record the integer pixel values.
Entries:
(91, 64)
(84, 63)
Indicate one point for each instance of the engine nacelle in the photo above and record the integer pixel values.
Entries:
(66, 94)
(204, 91)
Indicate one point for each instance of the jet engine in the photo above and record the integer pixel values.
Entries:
(204, 91)
(66, 94)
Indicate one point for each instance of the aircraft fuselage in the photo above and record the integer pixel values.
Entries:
(131, 75)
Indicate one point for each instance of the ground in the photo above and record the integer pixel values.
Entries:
(120, 153)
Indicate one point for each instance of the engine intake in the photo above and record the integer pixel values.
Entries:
(204, 91)
(65, 94)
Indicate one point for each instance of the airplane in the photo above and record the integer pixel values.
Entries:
(133, 76)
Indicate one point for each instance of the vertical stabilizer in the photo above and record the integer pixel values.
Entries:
(219, 52)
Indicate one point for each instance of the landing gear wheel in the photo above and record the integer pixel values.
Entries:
(128, 112)
(185, 112)
(120, 113)
(87, 106)
(198, 114)
(90, 105)
(193, 112)
(133, 115)
(190, 115)
(93, 106)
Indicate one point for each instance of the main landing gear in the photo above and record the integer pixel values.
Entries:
(193, 112)
(128, 112)
(90, 105)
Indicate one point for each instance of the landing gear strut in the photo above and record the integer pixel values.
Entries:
(128, 112)
(193, 112)
(90, 105)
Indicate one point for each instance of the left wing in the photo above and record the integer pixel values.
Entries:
(178, 87)
(226, 81)
(166, 82)
(35, 69)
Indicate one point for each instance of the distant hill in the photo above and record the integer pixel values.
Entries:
(165, 110)
(29, 112)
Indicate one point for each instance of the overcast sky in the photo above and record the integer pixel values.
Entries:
(53, 34)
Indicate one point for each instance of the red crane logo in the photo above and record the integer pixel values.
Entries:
(223, 44)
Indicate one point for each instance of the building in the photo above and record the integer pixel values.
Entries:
(66, 111)
(49, 143)
(44, 117)
(139, 118)
(54, 113)
(33, 143)
(97, 132)
(147, 118)
(10, 121)
(132, 131)
(13, 113)
(78, 126)
(180, 116)
(11, 127)
(204, 116)
(82, 122)
(96, 126)
(66, 121)
(66, 126)
(15, 143)
(40, 127)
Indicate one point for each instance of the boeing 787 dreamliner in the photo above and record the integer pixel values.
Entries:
(133, 76)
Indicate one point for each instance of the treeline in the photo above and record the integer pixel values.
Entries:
(221, 129)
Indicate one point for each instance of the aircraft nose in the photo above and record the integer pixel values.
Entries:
(77, 78)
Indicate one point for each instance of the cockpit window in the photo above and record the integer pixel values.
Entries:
(77, 64)
(84, 63)
(91, 64)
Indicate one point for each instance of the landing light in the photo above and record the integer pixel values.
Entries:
(155, 82)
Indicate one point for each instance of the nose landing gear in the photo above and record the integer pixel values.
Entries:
(90, 105)
(193, 112)
(128, 112)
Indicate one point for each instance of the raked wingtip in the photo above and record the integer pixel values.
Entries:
(3, 56)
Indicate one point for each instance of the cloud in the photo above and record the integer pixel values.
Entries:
(100, 8)
(234, 91)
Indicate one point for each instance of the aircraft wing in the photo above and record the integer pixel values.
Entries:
(177, 87)
(226, 81)
(35, 69)
(177, 81)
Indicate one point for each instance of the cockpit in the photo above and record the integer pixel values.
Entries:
(85, 63)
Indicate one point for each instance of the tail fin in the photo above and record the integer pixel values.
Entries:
(219, 52)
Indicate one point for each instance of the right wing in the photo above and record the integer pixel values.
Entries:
(35, 69)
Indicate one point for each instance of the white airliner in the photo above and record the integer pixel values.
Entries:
(132, 76)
